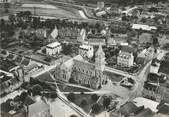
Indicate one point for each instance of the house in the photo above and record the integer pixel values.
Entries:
(86, 51)
(147, 103)
(125, 57)
(9, 83)
(31, 107)
(81, 36)
(53, 48)
(146, 54)
(130, 109)
(163, 110)
(163, 94)
(143, 27)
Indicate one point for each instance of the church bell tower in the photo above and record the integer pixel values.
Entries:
(99, 64)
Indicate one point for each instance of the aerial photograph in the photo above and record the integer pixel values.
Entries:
(84, 58)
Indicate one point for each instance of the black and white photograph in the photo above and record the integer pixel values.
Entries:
(84, 58)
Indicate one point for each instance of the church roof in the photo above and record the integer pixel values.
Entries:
(100, 51)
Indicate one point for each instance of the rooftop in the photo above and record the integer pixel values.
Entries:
(163, 108)
(143, 27)
(128, 108)
(25, 62)
(147, 103)
(87, 47)
(54, 44)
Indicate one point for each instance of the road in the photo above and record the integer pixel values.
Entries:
(116, 71)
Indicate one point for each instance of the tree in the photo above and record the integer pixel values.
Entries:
(17, 98)
(37, 89)
(106, 102)
(24, 85)
(83, 103)
(94, 97)
(6, 107)
(53, 95)
(71, 97)
(71, 80)
(155, 41)
(11, 18)
(23, 96)
(96, 108)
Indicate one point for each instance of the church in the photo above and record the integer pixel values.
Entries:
(83, 72)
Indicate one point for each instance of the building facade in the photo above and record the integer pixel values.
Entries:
(86, 51)
(125, 57)
(89, 74)
(53, 48)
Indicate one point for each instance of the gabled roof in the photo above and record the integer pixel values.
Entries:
(10, 56)
(148, 85)
(18, 59)
(25, 62)
(30, 67)
(145, 113)
(163, 108)
(128, 108)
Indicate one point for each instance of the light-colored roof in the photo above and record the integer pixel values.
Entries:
(143, 27)
(54, 44)
(54, 33)
(85, 47)
(147, 103)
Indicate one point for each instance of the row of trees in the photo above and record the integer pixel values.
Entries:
(96, 106)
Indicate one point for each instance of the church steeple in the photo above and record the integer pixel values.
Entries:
(100, 59)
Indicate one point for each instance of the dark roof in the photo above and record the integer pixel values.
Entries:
(140, 60)
(145, 113)
(30, 67)
(148, 85)
(163, 108)
(128, 108)
(10, 56)
(164, 67)
(18, 59)
(45, 77)
(155, 78)
(128, 49)
(25, 62)
(28, 100)
(4, 52)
